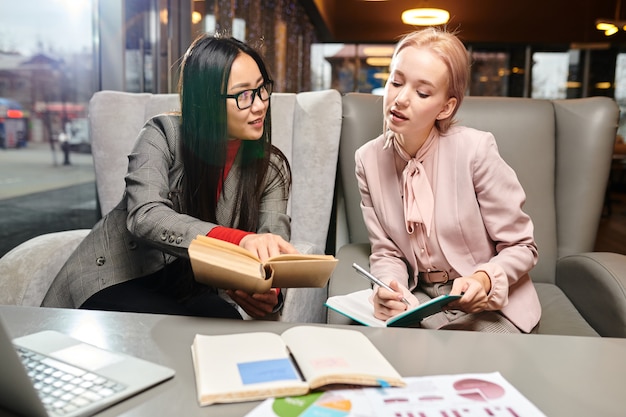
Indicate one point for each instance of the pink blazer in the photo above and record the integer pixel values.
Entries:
(478, 219)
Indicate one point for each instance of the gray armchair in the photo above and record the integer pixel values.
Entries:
(561, 151)
(305, 126)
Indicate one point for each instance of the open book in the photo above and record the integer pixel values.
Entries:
(358, 307)
(257, 365)
(228, 266)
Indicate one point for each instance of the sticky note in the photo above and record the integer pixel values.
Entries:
(267, 371)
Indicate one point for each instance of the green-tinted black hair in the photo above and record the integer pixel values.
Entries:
(203, 83)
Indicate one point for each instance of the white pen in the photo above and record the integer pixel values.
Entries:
(376, 281)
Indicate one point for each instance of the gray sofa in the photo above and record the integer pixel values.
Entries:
(561, 151)
(305, 126)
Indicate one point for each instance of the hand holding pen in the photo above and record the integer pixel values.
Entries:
(376, 281)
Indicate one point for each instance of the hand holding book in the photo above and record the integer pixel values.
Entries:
(376, 281)
(225, 265)
(358, 307)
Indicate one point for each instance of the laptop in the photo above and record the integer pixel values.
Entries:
(50, 374)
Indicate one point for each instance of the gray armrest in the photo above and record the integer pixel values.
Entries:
(304, 305)
(307, 248)
(345, 279)
(27, 271)
(595, 282)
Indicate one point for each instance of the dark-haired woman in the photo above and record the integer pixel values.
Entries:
(209, 170)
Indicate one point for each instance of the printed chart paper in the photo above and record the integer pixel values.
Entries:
(463, 395)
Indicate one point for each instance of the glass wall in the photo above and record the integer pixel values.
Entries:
(47, 76)
(54, 54)
(280, 29)
(620, 91)
(520, 71)
(550, 71)
(46, 57)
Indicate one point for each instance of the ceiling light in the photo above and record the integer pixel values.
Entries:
(608, 27)
(425, 17)
(378, 50)
(378, 61)
(611, 26)
(604, 25)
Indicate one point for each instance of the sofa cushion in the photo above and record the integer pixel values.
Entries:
(558, 314)
(27, 271)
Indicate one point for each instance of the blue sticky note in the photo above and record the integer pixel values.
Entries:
(383, 383)
(267, 371)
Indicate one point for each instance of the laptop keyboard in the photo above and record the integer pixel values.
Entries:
(64, 388)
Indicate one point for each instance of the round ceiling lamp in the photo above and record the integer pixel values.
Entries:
(611, 27)
(425, 17)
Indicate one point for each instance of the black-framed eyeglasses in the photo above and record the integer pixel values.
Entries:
(245, 98)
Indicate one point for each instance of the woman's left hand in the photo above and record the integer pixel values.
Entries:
(266, 245)
(256, 305)
(474, 290)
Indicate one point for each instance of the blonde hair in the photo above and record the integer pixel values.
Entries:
(449, 48)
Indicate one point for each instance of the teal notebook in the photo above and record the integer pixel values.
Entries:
(357, 306)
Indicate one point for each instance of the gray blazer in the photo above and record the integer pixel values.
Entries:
(146, 230)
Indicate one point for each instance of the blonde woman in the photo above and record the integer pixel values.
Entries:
(443, 209)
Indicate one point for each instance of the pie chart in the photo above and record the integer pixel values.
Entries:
(478, 389)
(327, 404)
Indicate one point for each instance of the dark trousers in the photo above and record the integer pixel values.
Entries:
(159, 293)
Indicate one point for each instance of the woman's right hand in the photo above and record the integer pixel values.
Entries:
(258, 306)
(388, 304)
(266, 245)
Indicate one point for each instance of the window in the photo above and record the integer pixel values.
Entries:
(46, 80)
(549, 72)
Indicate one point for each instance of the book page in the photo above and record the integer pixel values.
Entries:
(243, 367)
(223, 245)
(228, 266)
(286, 257)
(312, 271)
(328, 356)
(414, 316)
(220, 266)
(356, 306)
